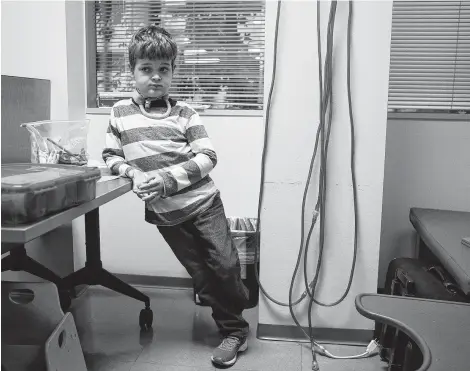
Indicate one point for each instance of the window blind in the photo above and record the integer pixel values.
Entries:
(430, 56)
(221, 49)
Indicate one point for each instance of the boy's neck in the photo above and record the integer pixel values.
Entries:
(139, 99)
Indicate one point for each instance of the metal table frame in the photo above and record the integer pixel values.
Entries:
(14, 239)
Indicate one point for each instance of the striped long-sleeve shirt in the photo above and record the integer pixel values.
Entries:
(177, 148)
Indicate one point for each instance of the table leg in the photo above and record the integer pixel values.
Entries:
(92, 239)
(94, 274)
(19, 261)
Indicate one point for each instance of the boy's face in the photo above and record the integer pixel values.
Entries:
(153, 77)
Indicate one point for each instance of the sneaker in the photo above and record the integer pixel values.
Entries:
(226, 353)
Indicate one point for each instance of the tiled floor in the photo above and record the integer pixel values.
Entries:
(182, 338)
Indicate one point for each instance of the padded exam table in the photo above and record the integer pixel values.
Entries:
(442, 233)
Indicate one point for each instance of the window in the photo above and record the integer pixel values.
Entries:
(221, 50)
(430, 57)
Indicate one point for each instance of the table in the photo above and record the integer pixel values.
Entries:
(440, 234)
(15, 237)
(440, 329)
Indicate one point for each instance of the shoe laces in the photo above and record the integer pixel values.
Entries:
(229, 343)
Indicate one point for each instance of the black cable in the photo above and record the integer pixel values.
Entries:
(353, 176)
(320, 127)
(325, 104)
(263, 171)
(324, 101)
(263, 164)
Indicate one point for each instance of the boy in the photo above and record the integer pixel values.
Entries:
(161, 144)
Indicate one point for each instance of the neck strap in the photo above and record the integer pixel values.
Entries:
(144, 105)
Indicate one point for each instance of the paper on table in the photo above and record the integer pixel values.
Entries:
(107, 178)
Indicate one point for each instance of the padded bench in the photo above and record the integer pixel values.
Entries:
(443, 232)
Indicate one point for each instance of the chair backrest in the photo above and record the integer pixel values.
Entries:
(63, 350)
(30, 312)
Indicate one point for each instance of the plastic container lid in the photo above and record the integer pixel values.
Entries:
(21, 178)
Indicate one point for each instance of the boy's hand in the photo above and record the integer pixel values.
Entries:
(151, 189)
(138, 178)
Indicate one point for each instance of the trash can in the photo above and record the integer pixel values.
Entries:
(243, 231)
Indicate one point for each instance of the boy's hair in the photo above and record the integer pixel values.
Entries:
(152, 42)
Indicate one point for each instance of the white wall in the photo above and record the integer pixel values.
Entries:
(34, 45)
(76, 62)
(427, 164)
(125, 234)
(294, 122)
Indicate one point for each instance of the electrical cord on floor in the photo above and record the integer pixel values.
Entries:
(325, 105)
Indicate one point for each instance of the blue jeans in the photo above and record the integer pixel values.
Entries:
(204, 246)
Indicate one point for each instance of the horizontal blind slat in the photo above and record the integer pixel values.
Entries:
(426, 95)
(432, 89)
(446, 20)
(430, 47)
(429, 67)
(430, 85)
(200, 31)
(207, 95)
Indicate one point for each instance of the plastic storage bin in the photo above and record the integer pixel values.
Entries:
(243, 231)
(33, 191)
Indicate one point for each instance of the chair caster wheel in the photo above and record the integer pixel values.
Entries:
(146, 319)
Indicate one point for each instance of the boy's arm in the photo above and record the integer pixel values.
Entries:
(113, 155)
(198, 167)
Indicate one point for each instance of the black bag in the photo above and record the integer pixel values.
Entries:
(415, 278)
